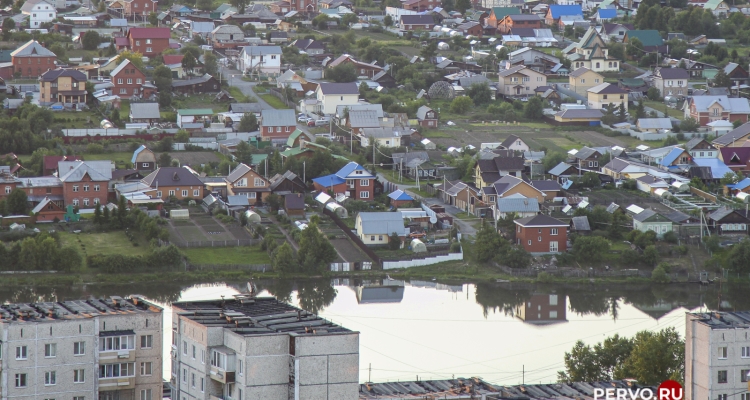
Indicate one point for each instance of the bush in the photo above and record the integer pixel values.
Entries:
(455, 247)
(670, 237)
(659, 275)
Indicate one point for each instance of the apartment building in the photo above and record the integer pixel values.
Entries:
(97, 349)
(717, 356)
(249, 347)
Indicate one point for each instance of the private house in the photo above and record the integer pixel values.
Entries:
(510, 186)
(288, 182)
(245, 108)
(725, 221)
(294, 204)
(384, 136)
(579, 117)
(416, 22)
(260, 60)
(607, 95)
(649, 183)
(653, 125)
(532, 58)
(520, 81)
(32, 59)
(144, 113)
(651, 40)
(277, 124)
(488, 171)
(583, 79)
(359, 119)
(695, 68)
(511, 21)
(37, 188)
(580, 225)
(515, 143)
(332, 95)
(497, 14)
(614, 32)
(701, 148)
(472, 28)
(705, 109)
(736, 74)
(555, 12)
(399, 198)
(542, 234)
(47, 211)
(244, 181)
(127, 80)
(227, 37)
(591, 52)
(427, 117)
(550, 188)
(362, 68)
(563, 171)
(375, 228)
(650, 220)
(85, 183)
(51, 162)
(144, 159)
(310, 46)
(420, 5)
(39, 12)
(66, 86)
(734, 138)
(671, 81)
(353, 180)
(148, 41)
(201, 84)
(516, 206)
(128, 9)
(175, 182)
(718, 7)
(736, 158)
(587, 158)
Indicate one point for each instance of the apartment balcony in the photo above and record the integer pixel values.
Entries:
(221, 375)
(212, 397)
(107, 384)
(107, 357)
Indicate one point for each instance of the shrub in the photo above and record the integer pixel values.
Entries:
(670, 237)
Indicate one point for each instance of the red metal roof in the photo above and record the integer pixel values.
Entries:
(173, 59)
(121, 41)
(149, 33)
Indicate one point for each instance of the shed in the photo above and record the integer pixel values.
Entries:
(580, 225)
(179, 214)
(400, 198)
(337, 209)
(418, 246)
(252, 217)
(294, 204)
(680, 186)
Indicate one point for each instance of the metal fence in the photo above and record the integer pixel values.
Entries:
(229, 267)
(217, 243)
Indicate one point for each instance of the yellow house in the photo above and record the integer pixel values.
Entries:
(375, 228)
(592, 53)
(510, 185)
(601, 96)
(583, 79)
(520, 81)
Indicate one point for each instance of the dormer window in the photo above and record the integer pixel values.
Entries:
(358, 172)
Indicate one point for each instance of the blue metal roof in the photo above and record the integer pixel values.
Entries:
(558, 11)
(348, 169)
(136, 152)
(329, 180)
(607, 13)
(741, 184)
(671, 157)
(718, 168)
(400, 195)
(567, 184)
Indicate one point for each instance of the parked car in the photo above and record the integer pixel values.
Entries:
(303, 119)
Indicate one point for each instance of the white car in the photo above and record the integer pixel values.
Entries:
(303, 119)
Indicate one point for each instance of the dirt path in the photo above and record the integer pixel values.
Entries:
(176, 231)
(286, 235)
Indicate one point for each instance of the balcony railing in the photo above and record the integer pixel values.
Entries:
(117, 383)
(221, 375)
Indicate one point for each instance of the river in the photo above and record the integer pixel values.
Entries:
(506, 333)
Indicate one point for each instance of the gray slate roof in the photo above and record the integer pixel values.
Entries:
(145, 110)
(32, 48)
(581, 223)
(172, 176)
(517, 205)
(74, 171)
(278, 118)
(381, 222)
(363, 119)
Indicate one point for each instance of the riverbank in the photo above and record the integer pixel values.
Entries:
(448, 271)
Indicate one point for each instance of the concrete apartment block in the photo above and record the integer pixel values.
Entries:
(98, 349)
(260, 348)
(717, 356)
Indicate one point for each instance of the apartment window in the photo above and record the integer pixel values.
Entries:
(115, 343)
(184, 375)
(86, 202)
(278, 129)
(722, 353)
(722, 376)
(79, 348)
(192, 380)
(117, 370)
(50, 378)
(553, 246)
(146, 368)
(745, 353)
(722, 397)
(203, 356)
(203, 385)
(184, 193)
(239, 365)
(259, 182)
(96, 188)
(538, 238)
(184, 343)
(194, 352)
(75, 202)
(219, 360)
(75, 188)
(149, 50)
(196, 193)
(119, 81)
(148, 41)
(50, 350)
(553, 231)
(79, 376)
(130, 81)
(20, 380)
(21, 353)
(743, 375)
(137, 42)
(364, 195)
(529, 242)
(85, 188)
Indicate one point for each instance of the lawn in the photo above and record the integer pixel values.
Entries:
(393, 176)
(659, 106)
(77, 119)
(227, 255)
(435, 134)
(239, 96)
(273, 101)
(107, 243)
(195, 101)
(120, 158)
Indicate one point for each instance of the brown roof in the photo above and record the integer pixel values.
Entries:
(172, 176)
(294, 201)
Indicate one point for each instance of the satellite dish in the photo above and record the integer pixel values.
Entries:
(433, 219)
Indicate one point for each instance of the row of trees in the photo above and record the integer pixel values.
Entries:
(40, 253)
(490, 246)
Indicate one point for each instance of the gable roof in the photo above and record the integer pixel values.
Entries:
(586, 152)
(509, 141)
(138, 150)
(717, 167)
(556, 11)
(149, 33)
(53, 74)
(381, 222)
(546, 185)
(560, 168)
(732, 136)
(644, 215)
(581, 223)
(74, 171)
(328, 88)
(120, 67)
(42, 204)
(525, 205)
(349, 169)
(501, 12)
(607, 88)
(729, 104)
(400, 195)
(145, 110)
(580, 71)
(576, 113)
(735, 156)
(244, 108)
(649, 37)
(32, 48)
(170, 59)
(696, 141)
(238, 172)
(294, 201)
(28, 5)
(671, 73)
(277, 118)
(172, 176)
(417, 20)
(607, 13)
(539, 220)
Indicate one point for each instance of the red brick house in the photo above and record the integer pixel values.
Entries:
(127, 80)
(531, 21)
(427, 117)
(85, 183)
(543, 309)
(148, 41)
(176, 182)
(362, 68)
(542, 234)
(37, 188)
(47, 211)
(353, 180)
(277, 124)
(32, 60)
(420, 5)
(705, 109)
(130, 8)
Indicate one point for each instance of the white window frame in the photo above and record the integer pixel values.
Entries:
(21, 381)
(184, 193)
(50, 378)
(553, 232)
(365, 194)
(22, 353)
(147, 368)
(79, 348)
(50, 350)
(79, 376)
(147, 341)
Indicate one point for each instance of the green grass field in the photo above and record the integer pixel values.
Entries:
(659, 106)
(107, 243)
(227, 255)
(273, 101)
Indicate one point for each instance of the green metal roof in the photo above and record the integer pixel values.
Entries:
(710, 73)
(632, 82)
(196, 111)
(296, 134)
(501, 12)
(647, 37)
(712, 4)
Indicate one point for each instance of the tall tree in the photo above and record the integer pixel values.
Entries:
(722, 79)
(244, 153)
(315, 251)
(17, 202)
(248, 123)
(284, 260)
(210, 65)
(487, 243)
(91, 40)
(189, 63)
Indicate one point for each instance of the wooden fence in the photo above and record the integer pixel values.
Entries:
(217, 243)
(354, 238)
(280, 95)
(703, 195)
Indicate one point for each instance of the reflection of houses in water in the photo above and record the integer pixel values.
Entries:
(379, 291)
(690, 300)
(438, 286)
(543, 309)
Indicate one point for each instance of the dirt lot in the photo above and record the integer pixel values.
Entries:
(624, 199)
(195, 157)
(463, 135)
